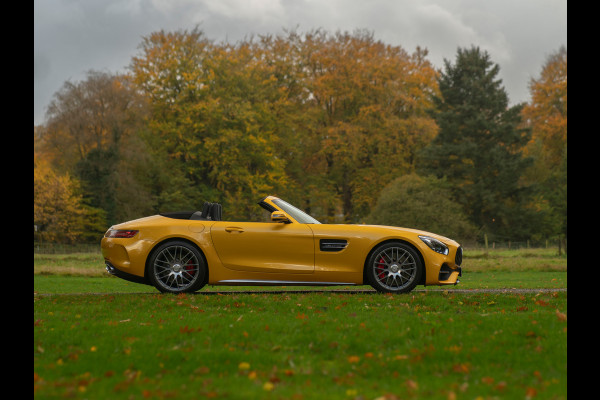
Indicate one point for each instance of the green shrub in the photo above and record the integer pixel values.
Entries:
(426, 203)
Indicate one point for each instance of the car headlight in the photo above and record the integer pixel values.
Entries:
(435, 245)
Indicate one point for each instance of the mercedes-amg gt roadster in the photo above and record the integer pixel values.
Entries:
(183, 251)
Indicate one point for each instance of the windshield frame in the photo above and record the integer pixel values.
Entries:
(294, 212)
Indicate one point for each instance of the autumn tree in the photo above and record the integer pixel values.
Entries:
(96, 113)
(214, 117)
(547, 112)
(337, 116)
(90, 126)
(479, 146)
(546, 115)
(59, 212)
(366, 105)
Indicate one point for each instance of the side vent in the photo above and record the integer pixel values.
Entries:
(332, 244)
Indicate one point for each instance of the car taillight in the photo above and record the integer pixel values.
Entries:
(120, 233)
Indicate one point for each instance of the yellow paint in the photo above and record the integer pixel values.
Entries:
(272, 251)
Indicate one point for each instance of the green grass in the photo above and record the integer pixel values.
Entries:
(525, 268)
(436, 343)
(532, 260)
(76, 264)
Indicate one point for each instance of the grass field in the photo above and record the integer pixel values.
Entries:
(132, 342)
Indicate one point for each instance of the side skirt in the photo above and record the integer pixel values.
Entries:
(249, 282)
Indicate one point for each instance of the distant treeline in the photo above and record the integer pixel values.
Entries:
(348, 128)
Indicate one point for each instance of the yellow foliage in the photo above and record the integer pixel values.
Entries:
(56, 204)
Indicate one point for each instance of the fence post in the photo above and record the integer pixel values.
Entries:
(486, 242)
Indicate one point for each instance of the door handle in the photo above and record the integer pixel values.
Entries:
(232, 229)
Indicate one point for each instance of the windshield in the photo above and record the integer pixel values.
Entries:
(295, 213)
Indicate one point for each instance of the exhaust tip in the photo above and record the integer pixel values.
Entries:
(109, 268)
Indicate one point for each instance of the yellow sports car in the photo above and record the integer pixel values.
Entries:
(183, 251)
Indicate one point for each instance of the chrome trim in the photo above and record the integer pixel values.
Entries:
(333, 245)
(109, 268)
(302, 283)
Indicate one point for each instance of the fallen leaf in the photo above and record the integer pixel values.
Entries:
(412, 384)
(244, 366)
(463, 368)
(201, 370)
(487, 380)
(561, 316)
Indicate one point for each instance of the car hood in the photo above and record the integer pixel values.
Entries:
(398, 229)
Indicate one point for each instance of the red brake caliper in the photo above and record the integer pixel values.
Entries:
(381, 268)
(189, 267)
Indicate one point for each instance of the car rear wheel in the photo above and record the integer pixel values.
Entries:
(177, 267)
(394, 268)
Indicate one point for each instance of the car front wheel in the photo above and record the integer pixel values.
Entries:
(394, 268)
(177, 267)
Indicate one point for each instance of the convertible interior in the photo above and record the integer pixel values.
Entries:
(213, 212)
(210, 212)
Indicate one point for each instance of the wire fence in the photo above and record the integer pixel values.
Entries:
(510, 245)
(59, 248)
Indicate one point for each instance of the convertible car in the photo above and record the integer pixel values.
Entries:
(183, 251)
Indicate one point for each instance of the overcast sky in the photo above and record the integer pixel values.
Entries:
(72, 37)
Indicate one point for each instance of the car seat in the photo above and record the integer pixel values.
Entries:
(215, 212)
(203, 215)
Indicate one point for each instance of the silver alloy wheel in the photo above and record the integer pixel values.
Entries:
(176, 268)
(394, 268)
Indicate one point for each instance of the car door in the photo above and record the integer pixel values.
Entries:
(341, 248)
(264, 246)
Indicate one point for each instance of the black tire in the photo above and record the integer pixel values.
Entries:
(394, 267)
(177, 267)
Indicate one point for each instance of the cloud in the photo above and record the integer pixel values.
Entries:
(72, 37)
(257, 10)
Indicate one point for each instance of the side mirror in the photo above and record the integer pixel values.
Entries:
(280, 216)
